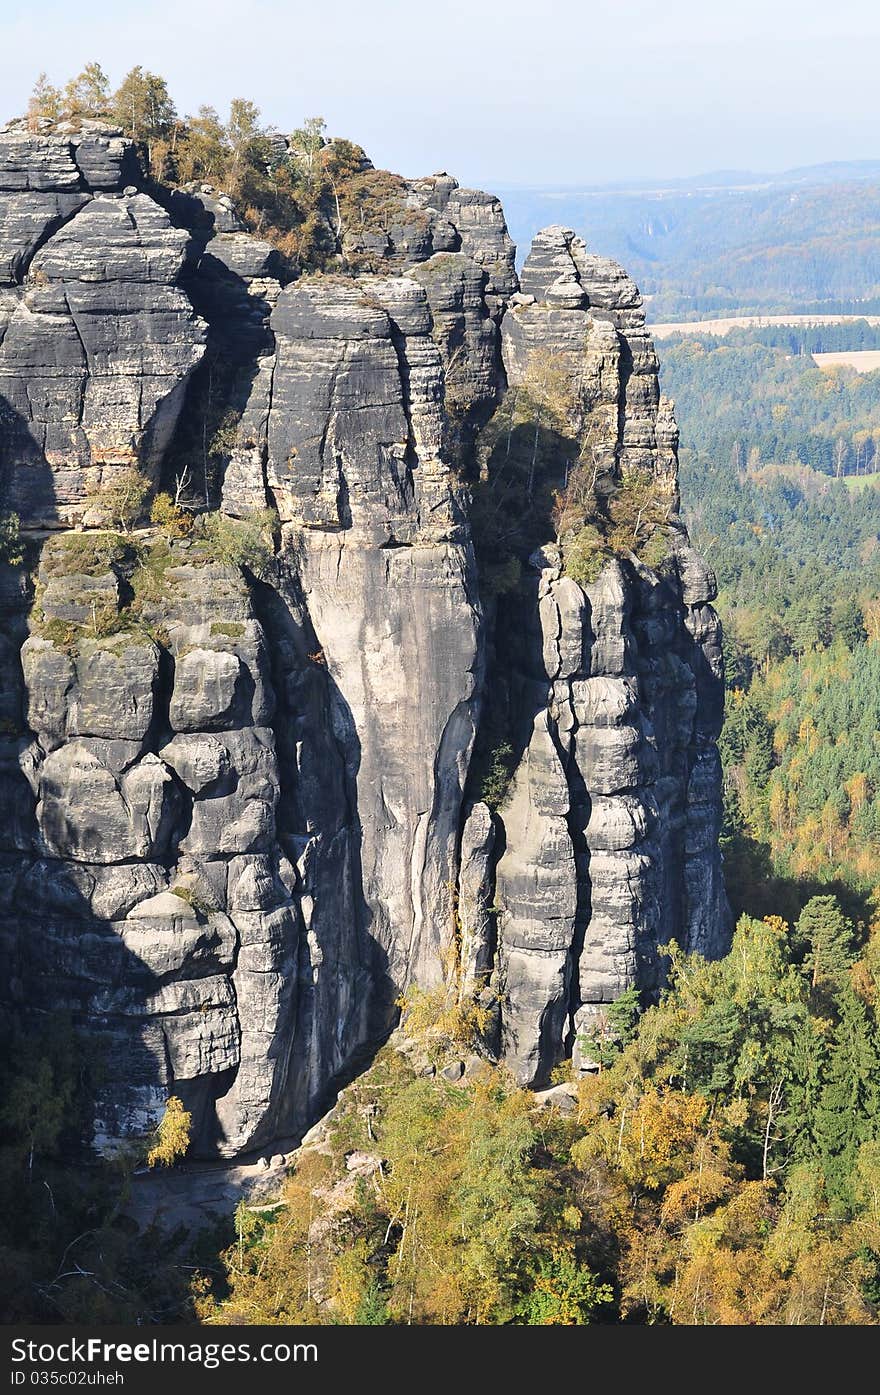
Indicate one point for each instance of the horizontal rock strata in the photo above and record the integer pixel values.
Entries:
(235, 824)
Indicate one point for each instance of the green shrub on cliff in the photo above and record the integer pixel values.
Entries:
(11, 550)
(44, 104)
(585, 555)
(143, 108)
(626, 516)
(636, 509)
(542, 478)
(310, 199)
(119, 498)
(87, 94)
(240, 542)
(499, 767)
(170, 518)
(86, 554)
(172, 1135)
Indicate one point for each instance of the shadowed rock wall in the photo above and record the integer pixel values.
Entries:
(234, 822)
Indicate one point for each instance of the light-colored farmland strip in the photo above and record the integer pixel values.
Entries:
(663, 331)
(862, 360)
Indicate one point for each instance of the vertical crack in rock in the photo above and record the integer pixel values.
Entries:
(235, 824)
(622, 750)
(99, 339)
(233, 280)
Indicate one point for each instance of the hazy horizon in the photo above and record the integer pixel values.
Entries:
(663, 179)
(579, 94)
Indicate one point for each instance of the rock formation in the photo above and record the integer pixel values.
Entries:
(236, 814)
(611, 830)
(96, 339)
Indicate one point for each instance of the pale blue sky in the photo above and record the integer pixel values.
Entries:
(498, 91)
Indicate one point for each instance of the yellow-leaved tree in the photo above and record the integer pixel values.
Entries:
(172, 1136)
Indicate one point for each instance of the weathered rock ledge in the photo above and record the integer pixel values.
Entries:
(235, 823)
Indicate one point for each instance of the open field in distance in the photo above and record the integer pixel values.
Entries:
(724, 326)
(862, 360)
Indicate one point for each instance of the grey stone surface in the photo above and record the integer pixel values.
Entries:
(236, 828)
(96, 339)
(634, 703)
(475, 909)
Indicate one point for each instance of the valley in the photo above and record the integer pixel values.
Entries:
(802, 241)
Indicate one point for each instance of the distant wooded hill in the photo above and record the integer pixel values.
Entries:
(752, 403)
(805, 240)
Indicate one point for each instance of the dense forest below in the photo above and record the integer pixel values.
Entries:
(817, 338)
(749, 404)
(722, 1166)
(779, 486)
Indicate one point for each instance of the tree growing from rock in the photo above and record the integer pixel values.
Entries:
(44, 104)
(172, 1136)
(144, 109)
(119, 500)
(88, 94)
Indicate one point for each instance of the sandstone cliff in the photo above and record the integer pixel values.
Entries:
(236, 817)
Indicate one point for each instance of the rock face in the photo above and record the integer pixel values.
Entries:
(236, 814)
(620, 693)
(155, 898)
(96, 339)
